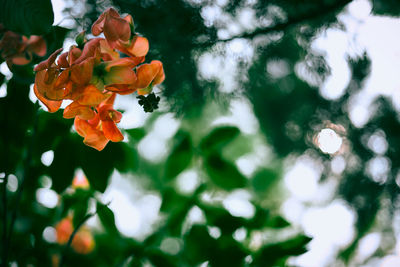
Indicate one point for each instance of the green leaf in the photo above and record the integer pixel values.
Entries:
(107, 218)
(181, 155)
(27, 17)
(218, 138)
(223, 174)
(263, 180)
(136, 134)
(270, 254)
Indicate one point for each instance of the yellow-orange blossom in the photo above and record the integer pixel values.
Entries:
(91, 77)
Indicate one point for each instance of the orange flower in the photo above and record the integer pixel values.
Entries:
(92, 73)
(83, 241)
(18, 50)
(80, 181)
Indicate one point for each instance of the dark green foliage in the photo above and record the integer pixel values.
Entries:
(288, 109)
(180, 156)
(27, 17)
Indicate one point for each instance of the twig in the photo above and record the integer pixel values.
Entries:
(25, 172)
(5, 221)
(322, 11)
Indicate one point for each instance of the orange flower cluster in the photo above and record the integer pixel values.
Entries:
(18, 49)
(82, 243)
(92, 76)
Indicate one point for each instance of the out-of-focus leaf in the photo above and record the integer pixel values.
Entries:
(27, 16)
(65, 162)
(98, 165)
(270, 254)
(387, 7)
(136, 134)
(263, 180)
(180, 157)
(218, 138)
(222, 173)
(220, 217)
(107, 218)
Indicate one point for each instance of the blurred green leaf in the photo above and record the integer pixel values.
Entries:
(270, 254)
(107, 218)
(181, 155)
(264, 179)
(218, 138)
(27, 17)
(136, 134)
(222, 173)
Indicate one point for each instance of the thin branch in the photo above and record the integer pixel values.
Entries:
(71, 238)
(25, 172)
(5, 221)
(319, 12)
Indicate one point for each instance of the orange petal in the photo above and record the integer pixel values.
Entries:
(62, 60)
(138, 47)
(91, 50)
(92, 137)
(81, 74)
(91, 96)
(47, 63)
(76, 110)
(45, 81)
(111, 131)
(108, 113)
(107, 53)
(37, 45)
(147, 73)
(21, 59)
(122, 89)
(120, 75)
(52, 106)
(124, 62)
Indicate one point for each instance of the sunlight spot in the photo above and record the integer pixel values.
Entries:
(240, 234)
(188, 181)
(377, 143)
(50, 234)
(293, 210)
(3, 90)
(329, 141)
(377, 168)
(152, 147)
(12, 184)
(127, 216)
(302, 178)
(45, 181)
(391, 261)
(333, 224)
(238, 204)
(246, 164)
(166, 126)
(5, 70)
(47, 158)
(214, 231)
(338, 164)
(47, 197)
(171, 246)
(278, 68)
(360, 9)
(368, 245)
(196, 215)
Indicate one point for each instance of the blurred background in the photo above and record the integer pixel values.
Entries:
(276, 142)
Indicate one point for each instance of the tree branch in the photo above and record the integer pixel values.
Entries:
(319, 12)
